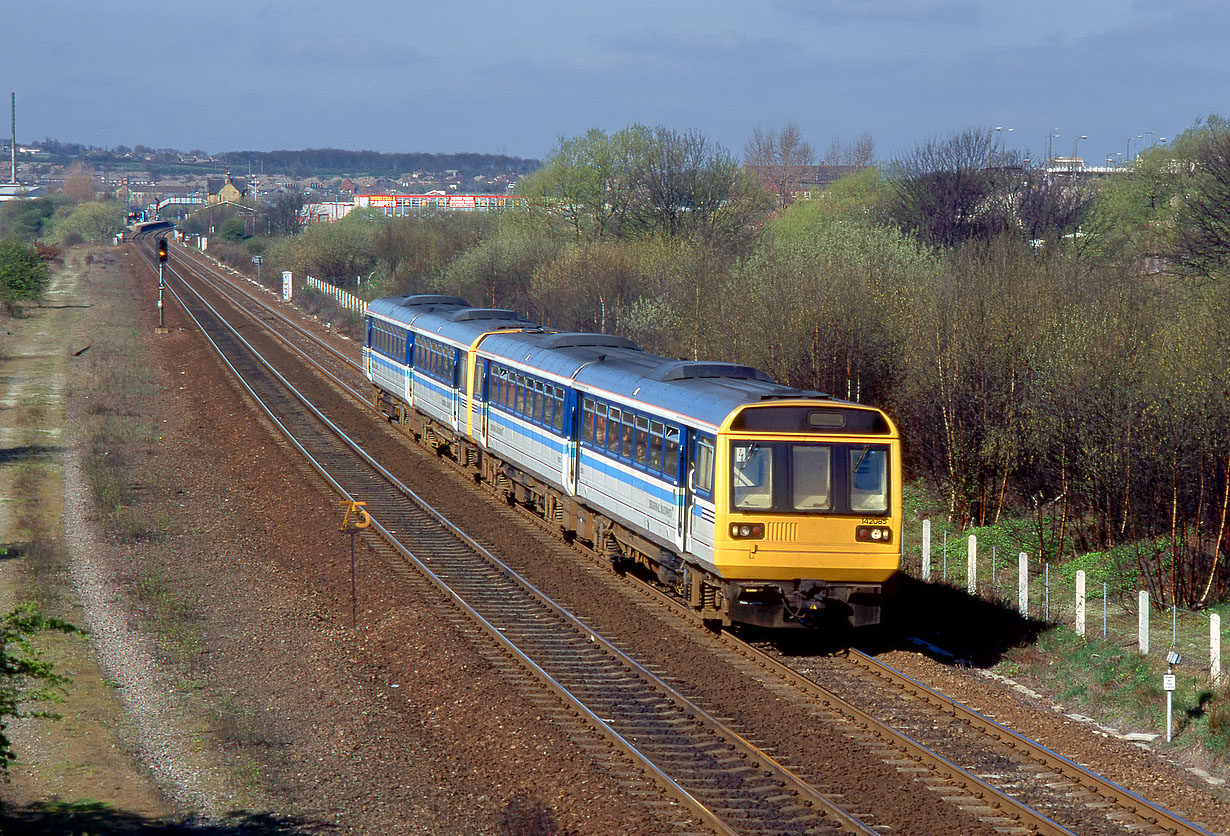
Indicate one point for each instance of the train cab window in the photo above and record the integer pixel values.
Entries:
(612, 430)
(811, 477)
(641, 449)
(703, 464)
(752, 475)
(869, 479)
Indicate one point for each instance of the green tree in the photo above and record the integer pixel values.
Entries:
(30, 220)
(644, 181)
(23, 274)
(24, 676)
(234, 229)
(90, 222)
(592, 183)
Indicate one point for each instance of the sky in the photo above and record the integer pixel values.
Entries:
(495, 77)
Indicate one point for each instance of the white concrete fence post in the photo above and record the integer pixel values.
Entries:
(1142, 622)
(971, 571)
(1080, 603)
(926, 551)
(1022, 585)
(1215, 648)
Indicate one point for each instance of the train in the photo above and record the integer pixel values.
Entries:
(756, 503)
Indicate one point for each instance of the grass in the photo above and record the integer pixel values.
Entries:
(1105, 678)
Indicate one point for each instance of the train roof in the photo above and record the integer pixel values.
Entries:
(404, 309)
(703, 393)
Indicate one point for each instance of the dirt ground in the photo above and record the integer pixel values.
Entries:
(223, 688)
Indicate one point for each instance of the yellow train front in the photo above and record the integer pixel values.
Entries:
(806, 504)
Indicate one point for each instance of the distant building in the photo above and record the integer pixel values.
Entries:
(398, 205)
(15, 191)
(225, 191)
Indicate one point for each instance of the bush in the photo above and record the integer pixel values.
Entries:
(23, 274)
(24, 676)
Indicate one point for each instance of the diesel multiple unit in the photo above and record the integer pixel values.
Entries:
(757, 503)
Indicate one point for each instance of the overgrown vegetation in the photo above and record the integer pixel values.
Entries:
(1055, 350)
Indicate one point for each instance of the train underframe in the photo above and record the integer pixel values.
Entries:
(802, 603)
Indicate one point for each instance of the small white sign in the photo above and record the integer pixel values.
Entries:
(1168, 681)
(288, 289)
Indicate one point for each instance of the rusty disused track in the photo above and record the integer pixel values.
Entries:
(1005, 782)
(729, 784)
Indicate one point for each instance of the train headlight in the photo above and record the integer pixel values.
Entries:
(873, 534)
(747, 531)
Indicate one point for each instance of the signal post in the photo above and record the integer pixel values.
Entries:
(162, 263)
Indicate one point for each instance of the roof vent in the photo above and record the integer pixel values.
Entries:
(691, 370)
(485, 313)
(429, 299)
(587, 340)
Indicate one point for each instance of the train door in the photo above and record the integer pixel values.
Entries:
(478, 400)
(457, 379)
(699, 497)
(572, 441)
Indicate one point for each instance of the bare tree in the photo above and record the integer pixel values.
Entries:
(779, 159)
(79, 183)
(945, 190)
(860, 153)
(1202, 239)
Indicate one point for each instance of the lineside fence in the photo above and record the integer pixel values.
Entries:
(346, 300)
(1091, 609)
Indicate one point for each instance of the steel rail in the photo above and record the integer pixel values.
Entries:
(202, 272)
(197, 260)
(1126, 798)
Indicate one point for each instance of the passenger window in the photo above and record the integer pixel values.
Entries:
(670, 458)
(626, 431)
(600, 426)
(587, 422)
(612, 435)
(559, 409)
(810, 480)
(642, 441)
(703, 479)
(655, 446)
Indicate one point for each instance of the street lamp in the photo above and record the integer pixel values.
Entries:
(999, 136)
(1129, 146)
(1075, 144)
(1052, 135)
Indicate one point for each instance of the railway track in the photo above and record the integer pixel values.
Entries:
(726, 782)
(713, 766)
